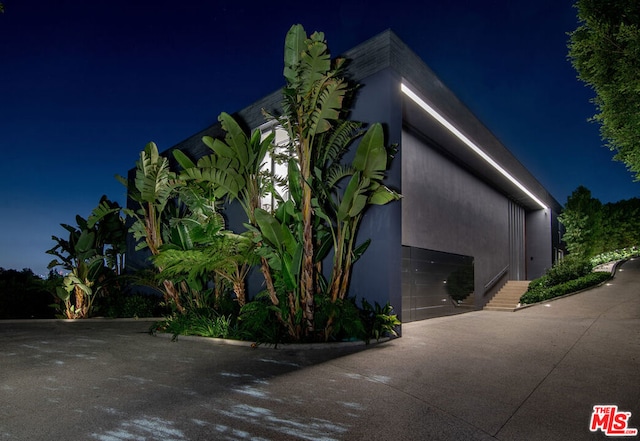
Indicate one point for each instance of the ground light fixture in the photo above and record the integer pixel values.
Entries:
(458, 134)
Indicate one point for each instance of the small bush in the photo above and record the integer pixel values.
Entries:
(258, 322)
(379, 321)
(570, 268)
(202, 323)
(541, 293)
(123, 305)
(344, 318)
(612, 256)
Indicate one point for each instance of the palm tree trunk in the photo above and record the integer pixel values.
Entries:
(307, 272)
(172, 294)
(239, 291)
(79, 311)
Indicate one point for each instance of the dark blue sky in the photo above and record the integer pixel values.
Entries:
(86, 84)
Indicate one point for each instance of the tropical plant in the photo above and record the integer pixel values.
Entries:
(365, 188)
(111, 233)
(90, 254)
(322, 211)
(152, 189)
(200, 247)
(379, 321)
(80, 287)
(281, 250)
(205, 324)
(233, 169)
(233, 172)
(313, 101)
(318, 215)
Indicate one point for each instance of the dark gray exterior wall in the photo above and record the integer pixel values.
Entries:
(445, 208)
(377, 275)
(539, 240)
(453, 201)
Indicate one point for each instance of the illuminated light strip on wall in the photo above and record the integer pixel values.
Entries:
(442, 120)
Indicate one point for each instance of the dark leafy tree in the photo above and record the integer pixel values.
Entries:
(605, 51)
(582, 219)
(621, 224)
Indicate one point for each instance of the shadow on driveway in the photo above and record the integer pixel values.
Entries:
(534, 374)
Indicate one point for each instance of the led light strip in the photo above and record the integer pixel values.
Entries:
(450, 127)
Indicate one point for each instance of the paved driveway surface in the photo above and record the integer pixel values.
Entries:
(531, 375)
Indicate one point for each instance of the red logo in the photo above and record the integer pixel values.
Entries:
(611, 421)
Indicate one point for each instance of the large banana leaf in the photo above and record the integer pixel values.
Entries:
(294, 44)
(315, 62)
(371, 155)
(329, 106)
(184, 161)
(153, 177)
(236, 139)
(355, 197)
(278, 235)
(383, 195)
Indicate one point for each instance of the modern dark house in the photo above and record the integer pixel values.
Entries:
(471, 218)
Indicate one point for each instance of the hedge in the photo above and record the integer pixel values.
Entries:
(540, 293)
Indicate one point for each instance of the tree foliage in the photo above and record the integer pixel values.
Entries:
(582, 219)
(592, 228)
(605, 51)
(93, 253)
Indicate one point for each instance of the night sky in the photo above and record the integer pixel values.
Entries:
(84, 85)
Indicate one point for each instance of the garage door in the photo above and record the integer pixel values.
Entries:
(432, 282)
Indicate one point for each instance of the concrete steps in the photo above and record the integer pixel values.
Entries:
(508, 297)
(469, 302)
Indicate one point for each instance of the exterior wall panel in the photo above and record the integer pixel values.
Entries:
(445, 208)
(517, 264)
(539, 243)
(377, 275)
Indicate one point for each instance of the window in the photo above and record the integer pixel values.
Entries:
(275, 166)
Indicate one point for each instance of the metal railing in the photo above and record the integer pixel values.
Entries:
(491, 283)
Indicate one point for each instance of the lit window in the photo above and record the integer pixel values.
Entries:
(275, 167)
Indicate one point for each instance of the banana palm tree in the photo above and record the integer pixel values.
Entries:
(313, 103)
(153, 188)
(233, 172)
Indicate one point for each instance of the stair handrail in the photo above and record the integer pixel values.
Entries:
(491, 283)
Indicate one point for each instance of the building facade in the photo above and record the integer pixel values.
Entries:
(471, 216)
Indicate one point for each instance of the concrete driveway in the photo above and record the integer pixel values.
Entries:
(535, 374)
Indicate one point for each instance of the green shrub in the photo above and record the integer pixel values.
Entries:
(539, 283)
(612, 256)
(379, 321)
(541, 293)
(202, 323)
(567, 269)
(118, 305)
(258, 322)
